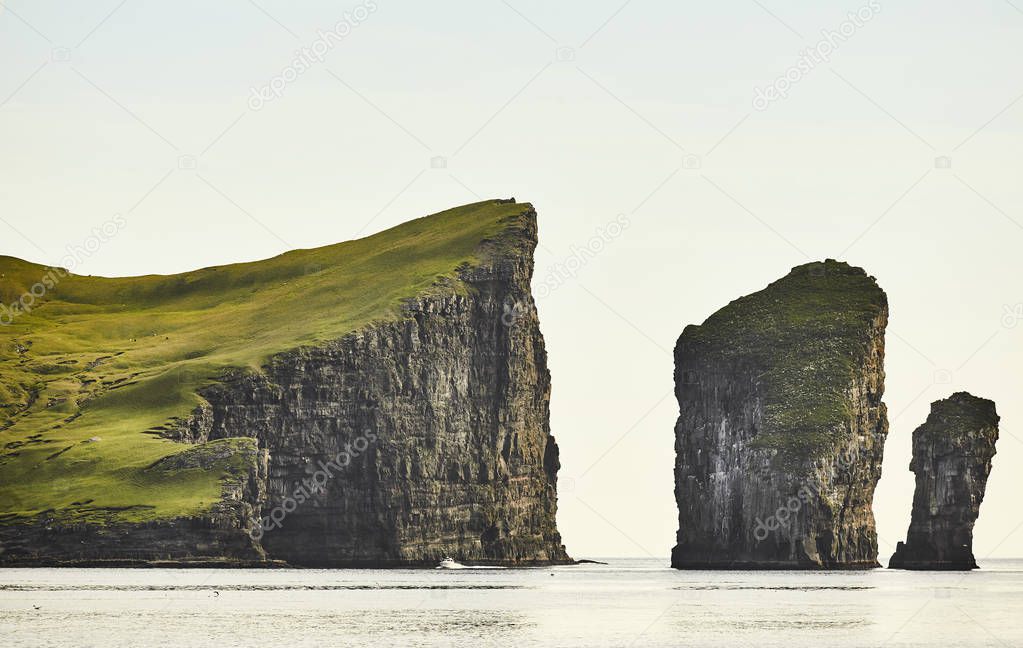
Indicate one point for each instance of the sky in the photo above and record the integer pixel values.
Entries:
(735, 139)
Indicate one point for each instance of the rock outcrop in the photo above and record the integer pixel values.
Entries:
(781, 425)
(414, 439)
(95, 537)
(419, 435)
(952, 454)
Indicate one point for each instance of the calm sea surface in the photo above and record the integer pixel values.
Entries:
(629, 602)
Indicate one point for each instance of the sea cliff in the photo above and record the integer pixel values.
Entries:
(781, 426)
(952, 453)
(371, 433)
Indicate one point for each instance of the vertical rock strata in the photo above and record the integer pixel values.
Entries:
(781, 425)
(411, 439)
(420, 435)
(952, 454)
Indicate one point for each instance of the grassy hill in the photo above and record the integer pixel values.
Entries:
(101, 361)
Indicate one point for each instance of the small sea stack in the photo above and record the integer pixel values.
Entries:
(952, 453)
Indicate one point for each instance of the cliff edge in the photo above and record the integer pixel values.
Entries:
(380, 402)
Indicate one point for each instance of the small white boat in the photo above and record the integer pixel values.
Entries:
(449, 563)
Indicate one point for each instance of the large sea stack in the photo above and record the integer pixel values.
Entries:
(781, 425)
(381, 402)
(952, 454)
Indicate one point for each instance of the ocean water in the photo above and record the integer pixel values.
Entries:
(630, 602)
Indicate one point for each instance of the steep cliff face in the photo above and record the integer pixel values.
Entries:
(414, 439)
(423, 431)
(952, 453)
(781, 425)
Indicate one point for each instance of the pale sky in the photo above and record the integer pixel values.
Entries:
(589, 110)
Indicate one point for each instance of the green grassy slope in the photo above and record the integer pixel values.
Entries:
(808, 332)
(102, 360)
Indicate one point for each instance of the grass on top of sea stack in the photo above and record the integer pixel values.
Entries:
(99, 361)
(807, 335)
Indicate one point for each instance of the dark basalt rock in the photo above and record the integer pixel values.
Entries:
(96, 538)
(781, 426)
(405, 441)
(430, 435)
(952, 454)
